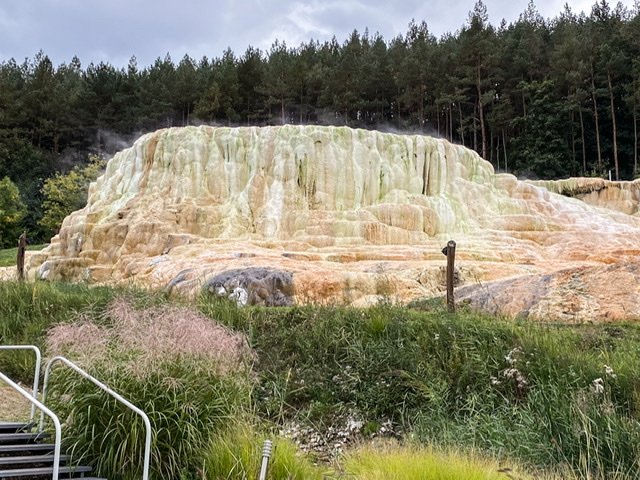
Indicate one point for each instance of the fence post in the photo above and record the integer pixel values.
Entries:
(450, 252)
(22, 246)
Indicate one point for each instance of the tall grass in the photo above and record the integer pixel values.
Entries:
(28, 310)
(410, 463)
(506, 388)
(187, 373)
(557, 397)
(236, 455)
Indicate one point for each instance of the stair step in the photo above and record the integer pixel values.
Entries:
(33, 447)
(31, 459)
(22, 437)
(32, 472)
(15, 427)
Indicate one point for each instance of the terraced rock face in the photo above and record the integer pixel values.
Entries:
(303, 214)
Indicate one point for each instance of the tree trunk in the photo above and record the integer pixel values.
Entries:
(481, 112)
(504, 147)
(491, 148)
(421, 107)
(282, 108)
(450, 123)
(584, 147)
(615, 130)
(475, 127)
(461, 124)
(635, 141)
(595, 114)
(573, 137)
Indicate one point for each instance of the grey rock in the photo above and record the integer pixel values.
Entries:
(253, 286)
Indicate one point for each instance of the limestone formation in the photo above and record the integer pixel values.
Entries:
(620, 196)
(321, 214)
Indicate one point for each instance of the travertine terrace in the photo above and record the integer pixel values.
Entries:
(325, 215)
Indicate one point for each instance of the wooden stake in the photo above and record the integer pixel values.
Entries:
(450, 252)
(22, 246)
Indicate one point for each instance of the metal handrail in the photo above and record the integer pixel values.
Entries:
(36, 373)
(116, 395)
(56, 423)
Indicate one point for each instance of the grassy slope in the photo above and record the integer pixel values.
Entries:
(8, 256)
(521, 390)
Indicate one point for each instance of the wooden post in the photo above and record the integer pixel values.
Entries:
(450, 252)
(22, 246)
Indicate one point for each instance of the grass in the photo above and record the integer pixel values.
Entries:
(189, 375)
(236, 455)
(8, 256)
(560, 399)
(393, 462)
(519, 389)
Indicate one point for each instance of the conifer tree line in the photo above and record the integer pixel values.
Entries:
(537, 97)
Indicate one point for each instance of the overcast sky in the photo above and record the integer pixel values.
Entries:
(114, 30)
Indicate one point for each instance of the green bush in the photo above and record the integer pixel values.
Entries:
(185, 404)
(188, 374)
(12, 211)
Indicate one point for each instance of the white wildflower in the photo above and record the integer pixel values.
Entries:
(609, 371)
(597, 386)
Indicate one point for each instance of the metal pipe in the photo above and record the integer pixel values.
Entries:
(36, 373)
(56, 423)
(266, 454)
(116, 395)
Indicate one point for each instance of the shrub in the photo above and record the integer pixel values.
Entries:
(187, 373)
(12, 211)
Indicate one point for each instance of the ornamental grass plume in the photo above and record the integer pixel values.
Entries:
(150, 335)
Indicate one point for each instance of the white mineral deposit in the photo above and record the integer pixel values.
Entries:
(336, 215)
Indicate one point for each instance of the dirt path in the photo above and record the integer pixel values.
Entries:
(7, 273)
(12, 405)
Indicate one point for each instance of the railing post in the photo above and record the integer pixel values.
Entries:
(114, 394)
(49, 413)
(36, 373)
(266, 454)
(450, 252)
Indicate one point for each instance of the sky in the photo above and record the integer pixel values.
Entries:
(114, 30)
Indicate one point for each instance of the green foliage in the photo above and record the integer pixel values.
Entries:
(188, 374)
(12, 211)
(67, 193)
(28, 310)
(553, 397)
(541, 147)
(407, 463)
(236, 455)
(467, 380)
(186, 404)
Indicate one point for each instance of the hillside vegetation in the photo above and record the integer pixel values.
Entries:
(546, 398)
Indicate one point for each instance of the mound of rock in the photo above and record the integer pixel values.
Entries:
(299, 214)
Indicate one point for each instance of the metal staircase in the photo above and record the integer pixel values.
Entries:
(28, 452)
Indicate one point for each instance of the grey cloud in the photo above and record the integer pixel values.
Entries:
(113, 30)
